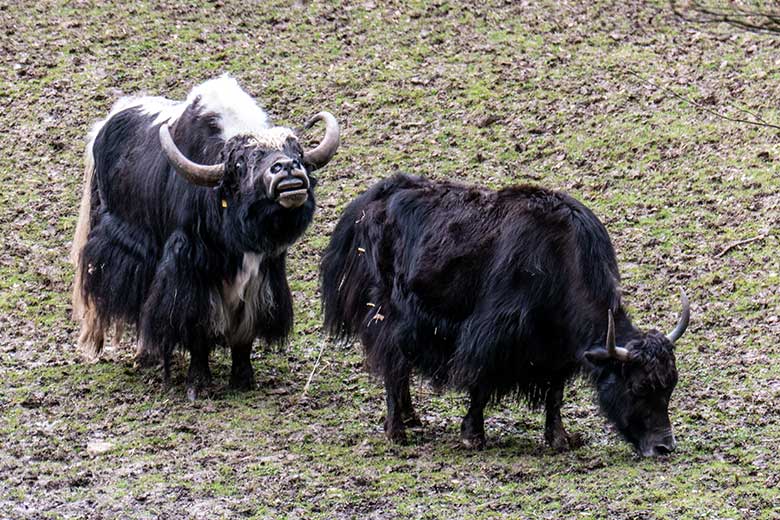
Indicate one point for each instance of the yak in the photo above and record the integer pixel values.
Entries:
(497, 293)
(188, 210)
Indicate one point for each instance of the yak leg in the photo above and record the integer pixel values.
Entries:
(554, 432)
(472, 429)
(395, 429)
(242, 376)
(176, 309)
(408, 415)
(166, 371)
(199, 374)
(92, 333)
(145, 356)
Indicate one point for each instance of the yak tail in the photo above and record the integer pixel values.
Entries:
(82, 231)
(343, 280)
(348, 267)
(91, 337)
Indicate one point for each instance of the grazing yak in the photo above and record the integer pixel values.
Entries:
(495, 293)
(188, 210)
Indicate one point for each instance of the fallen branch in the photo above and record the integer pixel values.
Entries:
(757, 122)
(736, 16)
(741, 243)
(313, 370)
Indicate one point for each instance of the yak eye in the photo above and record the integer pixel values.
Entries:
(296, 164)
(238, 165)
(276, 168)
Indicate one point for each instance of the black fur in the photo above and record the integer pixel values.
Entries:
(159, 247)
(494, 293)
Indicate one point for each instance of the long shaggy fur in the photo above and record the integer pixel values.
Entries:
(470, 287)
(82, 231)
(496, 293)
(187, 265)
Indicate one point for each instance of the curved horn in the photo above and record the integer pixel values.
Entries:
(619, 353)
(200, 174)
(685, 317)
(323, 153)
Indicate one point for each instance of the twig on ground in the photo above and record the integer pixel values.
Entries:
(741, 243)
(489, 503)
(735, 16)
(314, 369)
(757, 122)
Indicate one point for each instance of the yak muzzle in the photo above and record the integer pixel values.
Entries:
(658, 446)
(287, 184)
(291, 192)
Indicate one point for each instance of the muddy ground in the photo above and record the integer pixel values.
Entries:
(628, 106)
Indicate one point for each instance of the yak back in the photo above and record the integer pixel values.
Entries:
(139, 203)
(135, 182)
(475, 287)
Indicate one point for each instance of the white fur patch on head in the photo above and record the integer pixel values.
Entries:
(238, 113)
(273, 138)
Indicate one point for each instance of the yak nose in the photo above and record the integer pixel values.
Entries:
(288, 176)
(665, 447)
(662, 449)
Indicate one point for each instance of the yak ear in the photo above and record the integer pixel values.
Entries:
(598, 355)
(234, 165)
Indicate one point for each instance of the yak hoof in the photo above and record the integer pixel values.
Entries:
(192, 394)
(145, 359)
(242, 383)
(245, 380)
(395, 433)
(472, 434)
(474, 442)
(563, 441)
(396, 436)
(413, 421)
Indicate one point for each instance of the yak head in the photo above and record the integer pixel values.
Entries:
(635, 383)
(261, 175)
(271, 165)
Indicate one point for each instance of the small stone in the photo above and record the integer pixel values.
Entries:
(96, 448)
(488, 120)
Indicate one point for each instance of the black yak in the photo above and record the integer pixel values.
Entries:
(187, 214)
(495, 293)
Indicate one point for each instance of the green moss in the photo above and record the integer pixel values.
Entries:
(410, 82)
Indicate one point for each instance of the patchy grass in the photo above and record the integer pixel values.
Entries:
(413, 84)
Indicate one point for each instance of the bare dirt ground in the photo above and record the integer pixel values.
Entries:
(579, 96)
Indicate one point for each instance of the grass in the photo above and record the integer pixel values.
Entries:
(412, 84)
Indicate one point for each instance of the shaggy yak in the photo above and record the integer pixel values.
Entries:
(495, 293)
(188, 210)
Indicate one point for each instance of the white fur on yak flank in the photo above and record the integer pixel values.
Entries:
(239, 114)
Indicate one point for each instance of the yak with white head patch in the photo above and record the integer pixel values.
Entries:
(188, 211)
